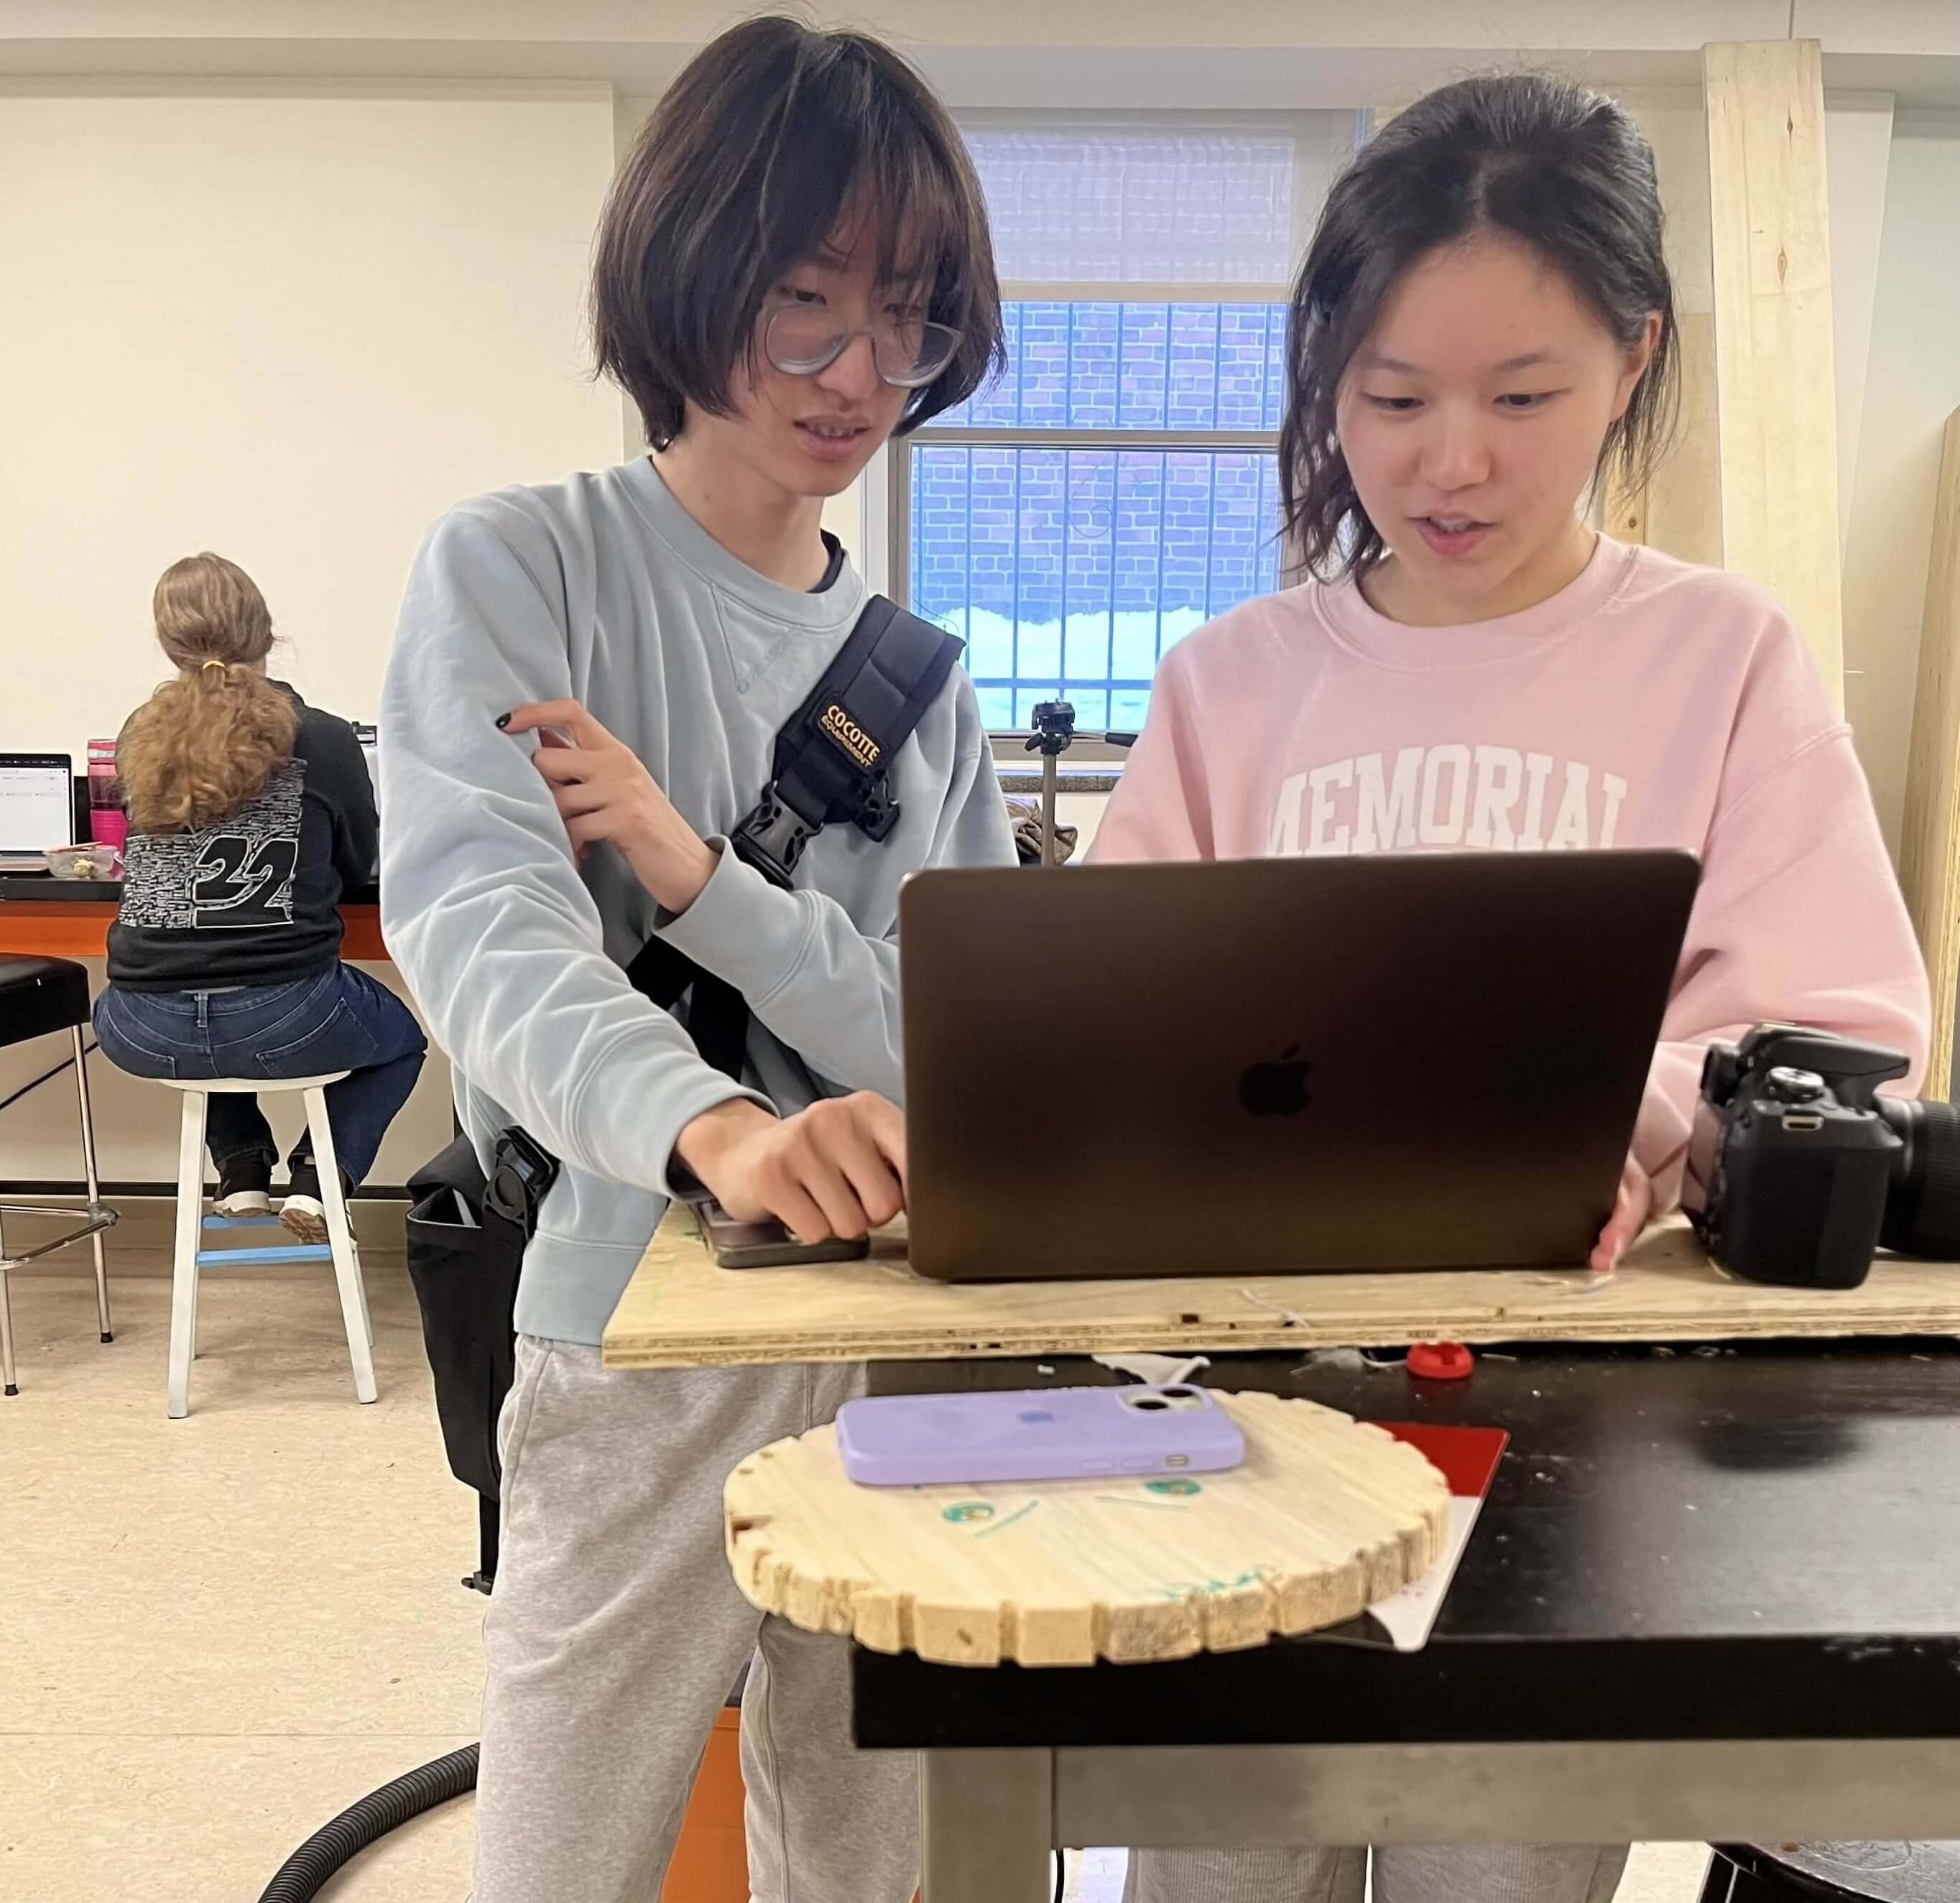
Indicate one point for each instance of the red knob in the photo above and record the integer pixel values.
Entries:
(1441, 1361)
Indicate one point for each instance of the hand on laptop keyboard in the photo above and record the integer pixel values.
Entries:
(835, 1169)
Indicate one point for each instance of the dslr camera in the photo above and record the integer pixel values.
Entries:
(1799, 1171)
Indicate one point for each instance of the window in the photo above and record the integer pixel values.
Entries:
(1114, 490)
(1117, 486)
(1108, 205)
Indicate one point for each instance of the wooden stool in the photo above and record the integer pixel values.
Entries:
(39, 997)
(192, 1223)
(1854, 1872)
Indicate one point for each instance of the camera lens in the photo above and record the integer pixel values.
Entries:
(1179, 1394)
(1922, 1211)
(1150, 1404)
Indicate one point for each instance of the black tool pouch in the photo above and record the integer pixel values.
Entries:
(465, 1250)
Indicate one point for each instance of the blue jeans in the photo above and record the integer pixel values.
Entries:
(341, 1020)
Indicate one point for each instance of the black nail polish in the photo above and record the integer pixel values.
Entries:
(504, 720)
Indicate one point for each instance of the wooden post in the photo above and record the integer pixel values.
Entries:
(1774, 380)
(1930, 859)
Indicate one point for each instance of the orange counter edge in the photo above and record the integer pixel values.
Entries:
(57, 928)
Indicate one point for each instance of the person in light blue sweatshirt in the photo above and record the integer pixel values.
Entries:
(793, 266)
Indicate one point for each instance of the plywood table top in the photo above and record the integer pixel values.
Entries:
(680, 1310)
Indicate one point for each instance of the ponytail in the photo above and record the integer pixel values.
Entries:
(209, 742)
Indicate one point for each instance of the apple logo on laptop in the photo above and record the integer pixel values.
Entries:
(1277, 1089)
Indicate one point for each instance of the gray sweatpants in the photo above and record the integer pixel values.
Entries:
(615, 1632)
(1403, 1873)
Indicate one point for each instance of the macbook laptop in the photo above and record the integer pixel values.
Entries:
(1268, 1066)
(36, 808)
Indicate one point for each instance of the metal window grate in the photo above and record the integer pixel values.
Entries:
(1116, 488)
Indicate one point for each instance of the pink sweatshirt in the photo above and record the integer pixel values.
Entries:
(1649, 704)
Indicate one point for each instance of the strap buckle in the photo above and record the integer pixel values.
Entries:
(878, 812)
(771, 838)
(522, 1173)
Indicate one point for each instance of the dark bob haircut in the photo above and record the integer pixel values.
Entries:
(773, 133)
(1564, 169)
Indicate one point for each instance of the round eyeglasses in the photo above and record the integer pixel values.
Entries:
(801, 340)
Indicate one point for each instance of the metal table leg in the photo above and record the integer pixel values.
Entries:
(94, 1220)
(94, 1183)
(9, 1384)
(986, 1825)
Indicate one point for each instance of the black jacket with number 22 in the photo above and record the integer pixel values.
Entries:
(252, 898)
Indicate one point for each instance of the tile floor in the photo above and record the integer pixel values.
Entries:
(216, 1633)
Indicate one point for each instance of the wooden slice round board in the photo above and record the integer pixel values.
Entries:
(1326, 1515)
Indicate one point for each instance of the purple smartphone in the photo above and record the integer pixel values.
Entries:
(1035, 1434)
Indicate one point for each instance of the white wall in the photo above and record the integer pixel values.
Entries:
(1912, 385)
(1858, 143)
(293, 326)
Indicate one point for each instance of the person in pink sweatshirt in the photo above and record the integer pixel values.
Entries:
(1482, 334)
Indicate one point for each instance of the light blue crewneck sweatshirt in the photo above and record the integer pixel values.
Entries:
(603, 587)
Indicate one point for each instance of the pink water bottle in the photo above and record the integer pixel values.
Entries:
(108, 823)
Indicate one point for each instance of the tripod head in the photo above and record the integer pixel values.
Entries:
(1053, 729)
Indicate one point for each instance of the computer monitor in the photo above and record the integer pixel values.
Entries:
(36, 808)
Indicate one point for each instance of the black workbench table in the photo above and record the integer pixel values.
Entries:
(1712, 1594)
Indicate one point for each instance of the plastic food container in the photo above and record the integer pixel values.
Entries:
(94, 861)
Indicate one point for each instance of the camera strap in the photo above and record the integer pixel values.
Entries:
(832, 765)
(832, 759)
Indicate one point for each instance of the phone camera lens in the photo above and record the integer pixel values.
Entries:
(1150, 1404)
(1180, 1394)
